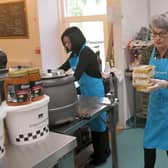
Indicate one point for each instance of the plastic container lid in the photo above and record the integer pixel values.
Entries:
(55, 81)
(33, 70)
(17, 73)
(28, 107)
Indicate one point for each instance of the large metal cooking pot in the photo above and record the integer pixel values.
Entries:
(63, 103)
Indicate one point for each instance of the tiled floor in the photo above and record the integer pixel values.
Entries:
(130, 152)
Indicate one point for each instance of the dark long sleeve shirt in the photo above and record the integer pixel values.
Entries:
(88, 63)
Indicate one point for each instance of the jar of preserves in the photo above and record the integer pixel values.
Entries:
(35, 84)
(17, 88)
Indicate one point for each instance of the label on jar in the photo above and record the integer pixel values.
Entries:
(36, 88)
(19, 93)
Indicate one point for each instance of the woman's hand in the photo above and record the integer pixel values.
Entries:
(157, 84)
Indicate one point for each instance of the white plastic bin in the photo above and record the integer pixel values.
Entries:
(27, 123)
(2, 134)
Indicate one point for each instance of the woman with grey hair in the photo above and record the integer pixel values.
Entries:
(156, 129)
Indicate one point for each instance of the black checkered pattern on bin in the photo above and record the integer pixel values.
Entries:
(2, 149)
(32, 135)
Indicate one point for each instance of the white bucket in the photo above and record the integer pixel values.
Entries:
(2, 135)
(27, 123)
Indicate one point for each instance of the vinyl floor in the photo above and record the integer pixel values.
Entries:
(130, 151)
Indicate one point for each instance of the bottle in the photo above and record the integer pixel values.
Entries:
(36, 87)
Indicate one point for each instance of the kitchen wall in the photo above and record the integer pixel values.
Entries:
(22, 51)
(129, 20)
(50, 39)
(158, 6)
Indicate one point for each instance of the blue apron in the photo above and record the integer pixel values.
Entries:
(90, 86)
(156, 129)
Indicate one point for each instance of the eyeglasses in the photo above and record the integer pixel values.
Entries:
(161, 34)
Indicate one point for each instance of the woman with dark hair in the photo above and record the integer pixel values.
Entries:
(84, 63)
(156, 129)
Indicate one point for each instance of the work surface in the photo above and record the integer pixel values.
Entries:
(94, 106)
(42, 154)
(47, 152)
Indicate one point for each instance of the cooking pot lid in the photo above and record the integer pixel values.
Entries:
(59, 73)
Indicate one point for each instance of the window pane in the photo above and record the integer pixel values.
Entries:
(84, 7)
(94, 34)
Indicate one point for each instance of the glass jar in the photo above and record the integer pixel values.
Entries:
(37, 92)
(17, 88)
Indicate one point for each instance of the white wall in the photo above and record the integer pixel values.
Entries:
(51, 50)
(135, 15)
(158, 6)
(130, 19)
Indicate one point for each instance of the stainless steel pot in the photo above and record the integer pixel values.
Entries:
(63, 103)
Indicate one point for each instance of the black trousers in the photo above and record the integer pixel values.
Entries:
(100, 142)
(150, 158)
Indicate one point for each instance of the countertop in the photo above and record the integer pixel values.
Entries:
(94, 106)
(42, 154)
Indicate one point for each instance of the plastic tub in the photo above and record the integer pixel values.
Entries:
(2, 135)
(27, 123)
